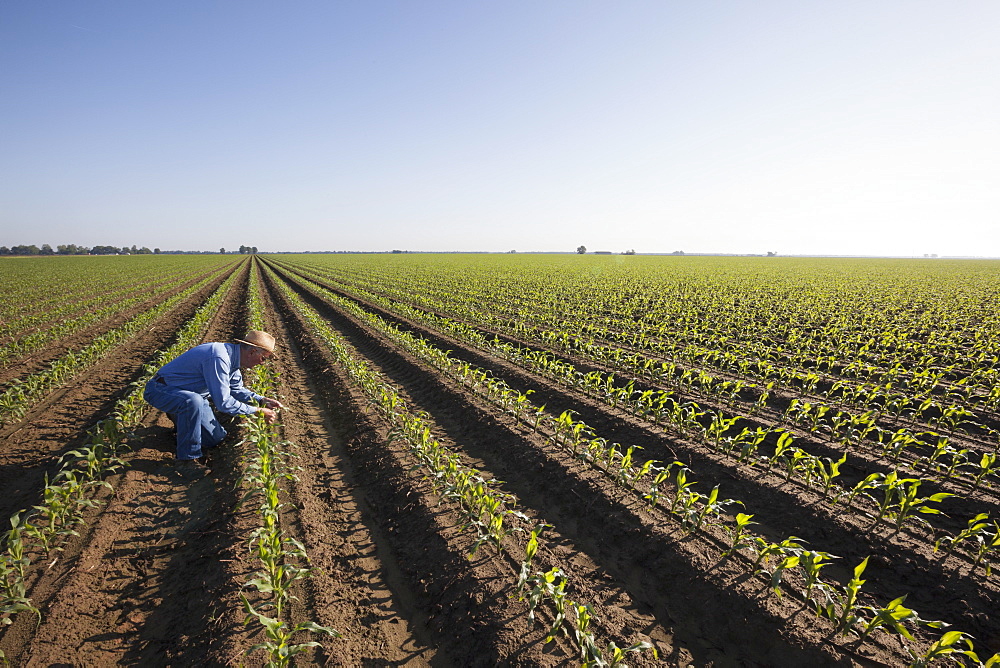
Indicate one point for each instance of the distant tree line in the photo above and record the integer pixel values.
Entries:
(73, 249)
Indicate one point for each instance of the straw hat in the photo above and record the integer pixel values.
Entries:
(259, 339)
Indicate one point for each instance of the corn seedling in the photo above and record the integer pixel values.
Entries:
(850, 613)
(953, 646)
(738, 537)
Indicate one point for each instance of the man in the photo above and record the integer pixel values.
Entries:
(184, 385)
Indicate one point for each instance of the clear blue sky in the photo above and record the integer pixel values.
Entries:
(800, 127)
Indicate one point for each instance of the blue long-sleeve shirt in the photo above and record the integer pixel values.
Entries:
(212, 369)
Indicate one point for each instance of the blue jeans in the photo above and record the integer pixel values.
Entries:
(197, 426)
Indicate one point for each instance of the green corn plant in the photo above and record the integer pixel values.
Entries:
(732, 391)
(794, 411)
(598, 452)
(738, 536)
(817, 414)
(661, 476)
(539, 415)
(957, 459)
(530, 550)
(765, 550)
(941, 448)
(850, 613)
(841, 428)
(900, 440)
(889, 485)
(540, 587)
(689, 415)
(952, 419)
(521, 403)
(614, 656)
(893, 618)
(748, 442)
(785, 563)
(762, 399)
(976, 526)
(590, 655)
(557, 594)
(862, 487)
(712, 506)
(662, 408)
(987, 544)
(686, 507)
(952, 647)
(989, 464)
(828, 473)
(717, 428)
(622, 473)
(15, 546)
(579, 434)
(909, 504)
(278, 645)
(783, 445)
(638, 473)
(812, 562)
(810, 468)
(681, 487)
(563, 427)
(798, 460)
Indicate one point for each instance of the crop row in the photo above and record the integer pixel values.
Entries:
(283, 559)
(696, 512)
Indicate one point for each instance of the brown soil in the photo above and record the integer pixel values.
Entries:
(157, 574)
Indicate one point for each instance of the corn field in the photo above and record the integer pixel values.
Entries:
(523, 460)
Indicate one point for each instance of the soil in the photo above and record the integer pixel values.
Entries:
(157, 573)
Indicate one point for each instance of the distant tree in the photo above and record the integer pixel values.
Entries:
(4, 250)
(512, 251)
(253, 250)
(46, 250)
(678, 253)
(103, 250)
(145, 251)
(156, 251)
(25, 250)
(581, 249)
(630, 251)
(771, 254)
(222, 251)
(243, 250)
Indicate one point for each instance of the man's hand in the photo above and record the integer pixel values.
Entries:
(270, 416)
(273, 404)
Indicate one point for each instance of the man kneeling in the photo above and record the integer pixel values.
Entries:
(183, 386)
